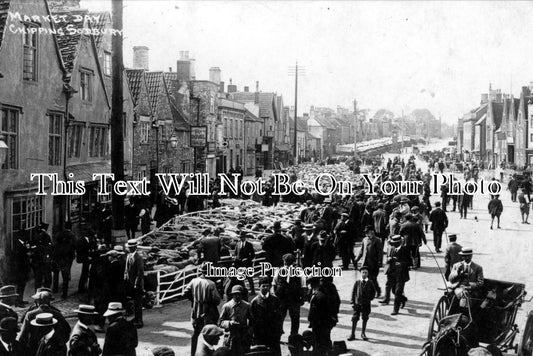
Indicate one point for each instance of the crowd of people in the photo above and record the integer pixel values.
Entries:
(390, 229)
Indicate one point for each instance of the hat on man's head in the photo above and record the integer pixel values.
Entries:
(277, 225)
(131, 243)
(43, 226)
(8, 291)
(43, 295)
(44, 319)
(369, 228)
(114, 308)
(288, 257)
(212, 329)
(345, 215)
(437, 203)
(237, 290)
(415, 208)
(364, 268)
(86, 309)
(466, 251)
(163, 351)
(9, 324)
(396, 239)
(308, 227)
(404, 200)
(452, 237)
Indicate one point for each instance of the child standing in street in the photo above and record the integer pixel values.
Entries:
(362, 294)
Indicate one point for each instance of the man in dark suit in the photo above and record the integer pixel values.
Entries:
(267, 322)
(371, 255)
(244, 256)
(362, 294)
(8, 297)
(9, 346)
(439, 223)
(210, 248)
(134, 277)
(64, 253)
(86, 247)
(41, 256)
(320, 317)
(83, 341)
(121, 335)
(399, 270)
(50, 344)
(413, 235)
(30, 335)
(466, 276)
(20, 264)
(451, 255)
(277, 245)
(131, 217)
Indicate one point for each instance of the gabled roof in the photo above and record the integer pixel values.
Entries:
(267, 102)
(324, 122)
(153, 84)
(69, 42)
(104, 20)
(4, 8)
(300, 124)
(135, 78)
(175, 98)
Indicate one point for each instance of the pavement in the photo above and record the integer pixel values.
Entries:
(504, 254)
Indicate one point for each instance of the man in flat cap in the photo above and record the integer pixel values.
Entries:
(134, 278)
(121, 335)
(235, 318)
(29, 335)
(204, 296)
(267, 320)
(83, 341)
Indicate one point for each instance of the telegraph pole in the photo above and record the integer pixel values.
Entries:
(355, 130)
(117, 125)
(296, 71)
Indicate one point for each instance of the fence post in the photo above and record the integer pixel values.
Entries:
(158, 290)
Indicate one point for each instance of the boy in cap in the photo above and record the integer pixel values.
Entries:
(83, 341)
(235, 318)
(50, 343)
(362, 294)
(266, 315)
(121, 335)
(208, 340)
(8, 334)
(134, 278)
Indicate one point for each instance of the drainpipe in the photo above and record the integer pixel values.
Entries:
(69, 92)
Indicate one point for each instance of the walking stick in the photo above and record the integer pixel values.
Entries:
(438, 266)
(447, 239)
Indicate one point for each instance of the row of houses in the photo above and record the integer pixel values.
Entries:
(499, 130)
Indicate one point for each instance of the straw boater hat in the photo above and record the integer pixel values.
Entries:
(114, 308)
(44, 319)
(466, 251)
(131, 243)
(86, 309)
(8, 291)
(396, 239)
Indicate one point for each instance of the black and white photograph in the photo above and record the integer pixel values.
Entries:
(266, 178)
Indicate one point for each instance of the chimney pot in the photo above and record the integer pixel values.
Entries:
(246, 89)
(214, 75)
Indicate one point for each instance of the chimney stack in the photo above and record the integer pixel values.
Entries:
(140, 57)
(214, 75)
(257, 86)
(484, 98)
(246, 89)
(231, 88)
(221, 87)
(185, 67)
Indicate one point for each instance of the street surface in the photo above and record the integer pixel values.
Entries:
(504, 254)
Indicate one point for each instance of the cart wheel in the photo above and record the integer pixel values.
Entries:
(525, 348)
(439, 311)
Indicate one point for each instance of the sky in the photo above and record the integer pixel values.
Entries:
(393, 54)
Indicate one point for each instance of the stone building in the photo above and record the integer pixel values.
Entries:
(232, 114)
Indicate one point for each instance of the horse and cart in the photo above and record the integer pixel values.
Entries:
(484, 320)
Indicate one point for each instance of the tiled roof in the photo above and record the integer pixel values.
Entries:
(135, 78)
(301, 126)
(153, 84)
(4, 8)
(69, 42)
(323, 122)
(175, 99)
(267, 102)
(104, 20)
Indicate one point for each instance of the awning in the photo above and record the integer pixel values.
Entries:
(480, 121)
(282, 147)
(84, 171)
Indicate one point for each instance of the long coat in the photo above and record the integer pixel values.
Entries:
(134, 272)
(120, 338)
(413, 233)
(439, 219)
(267, 319)
(83, 342)
(400, 263)
(370, 253)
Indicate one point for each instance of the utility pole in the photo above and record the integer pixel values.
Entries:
(403, 128)
(117, 124)
(355, 129)
(296, 71)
